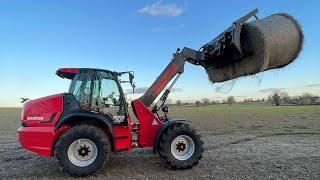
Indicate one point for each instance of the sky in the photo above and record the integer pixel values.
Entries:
(38, 37)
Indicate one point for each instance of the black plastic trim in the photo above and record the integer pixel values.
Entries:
(53, 115)
(24, 124)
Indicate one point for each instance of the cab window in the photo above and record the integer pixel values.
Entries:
(100, 92)
(110, 97)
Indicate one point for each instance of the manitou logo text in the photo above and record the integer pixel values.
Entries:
(35, 118)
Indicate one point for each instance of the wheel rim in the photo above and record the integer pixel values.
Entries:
(182, 147)
(82, 152)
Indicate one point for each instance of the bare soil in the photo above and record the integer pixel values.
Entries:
(258, 152)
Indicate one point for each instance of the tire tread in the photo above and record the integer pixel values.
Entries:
(164, 149)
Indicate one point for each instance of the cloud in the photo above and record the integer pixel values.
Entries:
(272, 90)
(141, 90)
(312, 85)
(158, 8)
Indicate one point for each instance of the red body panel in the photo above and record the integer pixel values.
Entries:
(40, 140)
(123, 136)
(44, 111)
(148, 124)
(40, 116)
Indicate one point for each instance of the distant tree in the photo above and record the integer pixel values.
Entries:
(231, 100)
(214, 102)
(224, 101)
(284, 97)
(249, 100)
(198, 103)
(275, 99)
(185, 103)
(305, 99)
(178, 103)
(205, 101)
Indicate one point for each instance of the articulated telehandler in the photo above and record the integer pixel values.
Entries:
(83, 127)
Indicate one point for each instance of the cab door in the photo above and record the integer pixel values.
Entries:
(111, 97)
(107, 99)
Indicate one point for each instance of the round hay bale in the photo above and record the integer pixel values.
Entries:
(268, 43)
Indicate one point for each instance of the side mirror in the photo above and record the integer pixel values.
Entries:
(131, 76)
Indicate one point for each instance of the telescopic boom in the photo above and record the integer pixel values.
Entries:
(223, 49)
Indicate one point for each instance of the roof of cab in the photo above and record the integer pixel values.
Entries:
(69, 73)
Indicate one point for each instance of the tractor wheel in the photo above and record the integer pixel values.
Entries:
(180, 147)
(82, 150)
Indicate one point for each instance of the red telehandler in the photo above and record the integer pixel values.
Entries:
(82, 127)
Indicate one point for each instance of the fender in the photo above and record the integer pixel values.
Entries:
(166, 125)
(85, 114)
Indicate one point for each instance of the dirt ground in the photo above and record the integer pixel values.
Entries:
(241, 142)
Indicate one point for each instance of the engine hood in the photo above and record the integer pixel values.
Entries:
(42, 111)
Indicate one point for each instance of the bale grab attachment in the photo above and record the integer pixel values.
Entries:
(243, 49)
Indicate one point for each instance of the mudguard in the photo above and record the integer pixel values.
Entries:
(167, 124)
(85, 114)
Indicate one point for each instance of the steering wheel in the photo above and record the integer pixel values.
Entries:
(113, 99)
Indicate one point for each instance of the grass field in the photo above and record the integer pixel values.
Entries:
(251, 118)
(238, 118)
(9, 120)
(241, 142)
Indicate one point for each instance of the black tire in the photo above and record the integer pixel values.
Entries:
(94, 134)
(168, 136)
